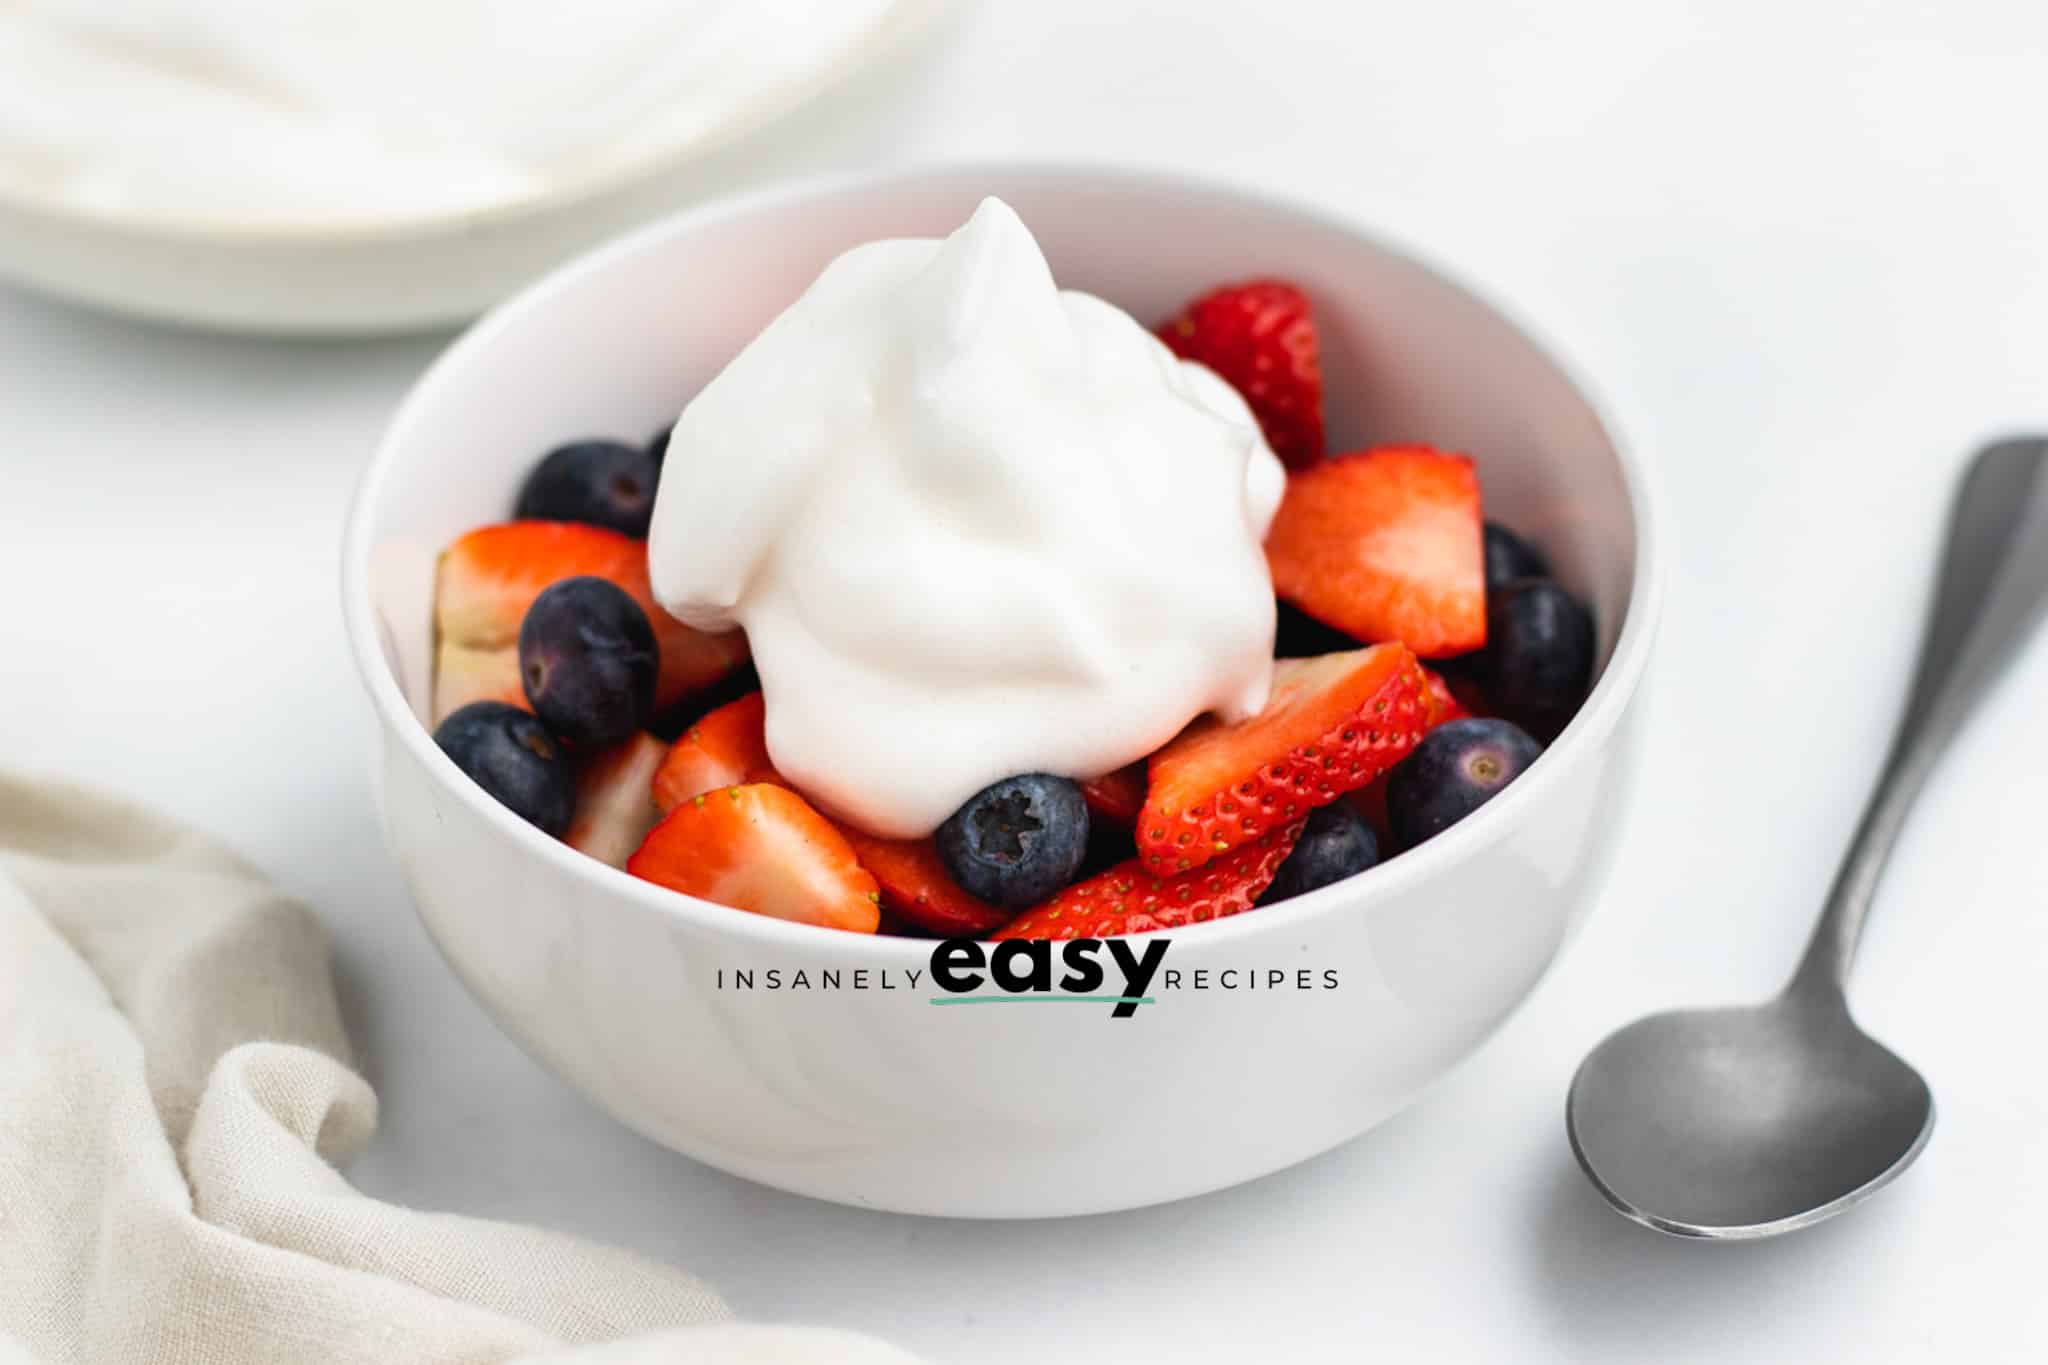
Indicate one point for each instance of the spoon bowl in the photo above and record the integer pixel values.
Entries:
(1745, 1122)
(1748, 1122)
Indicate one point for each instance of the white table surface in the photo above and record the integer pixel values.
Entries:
(1804, 249)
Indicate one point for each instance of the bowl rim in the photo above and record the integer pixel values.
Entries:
(1596, 718)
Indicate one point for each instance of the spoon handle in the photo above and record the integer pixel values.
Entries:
(1994, 584)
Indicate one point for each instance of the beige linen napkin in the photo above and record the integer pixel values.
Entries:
(175, 1089)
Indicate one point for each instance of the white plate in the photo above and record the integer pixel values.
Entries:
(386, 277)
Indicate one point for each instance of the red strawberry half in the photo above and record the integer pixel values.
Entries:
(726, 748)
(490, 577)
(917, 888)
(723, 749)
(1260, 336)
(1331, 725)
(1129, 900)
(1385, 545)
(614, 804)
(760, 848)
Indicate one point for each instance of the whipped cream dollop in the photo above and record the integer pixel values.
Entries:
(973, 524)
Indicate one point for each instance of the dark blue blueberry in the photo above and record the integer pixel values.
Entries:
(1538, 660)
(511, 755)
(1509, 557)
(1457, 768)
(588, 660)
(1337, 843)
(1015, 843)
(603, 483)
(657, 444)
(1297, 635)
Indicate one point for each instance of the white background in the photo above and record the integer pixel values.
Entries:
(1803, 248)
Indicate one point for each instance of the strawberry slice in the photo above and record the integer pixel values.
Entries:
(917, 887)
(614, 809)
(490, 577)
(1129, 900)
(724, 748)
(760, 848)
(1331, 725)
(1439, 705)
(1261, 337)
(1117, 797)
(1385, 545)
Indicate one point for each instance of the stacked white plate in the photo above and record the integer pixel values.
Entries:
(347, 166)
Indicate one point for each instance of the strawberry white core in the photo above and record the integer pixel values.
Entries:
(974, 525)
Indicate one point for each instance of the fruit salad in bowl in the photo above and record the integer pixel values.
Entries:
(1017, 731)
(1003, 601)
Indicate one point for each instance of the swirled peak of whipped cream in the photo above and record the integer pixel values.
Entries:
(973, 524)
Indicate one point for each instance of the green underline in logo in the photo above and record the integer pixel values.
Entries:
(1042, 999)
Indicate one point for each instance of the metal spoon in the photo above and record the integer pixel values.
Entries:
(1752, 1121)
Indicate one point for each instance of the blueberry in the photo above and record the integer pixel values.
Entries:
(657, 444)
(1509, 557)
(1457, 768)
(1297, 635)
(1015, 843)
(603, 483)
(1538, 659)
(588, 661)
(1336, 844)
(511, 755)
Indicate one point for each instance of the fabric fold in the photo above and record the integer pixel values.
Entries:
(176, 1092)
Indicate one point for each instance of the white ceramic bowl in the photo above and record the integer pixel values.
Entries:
(874, 1097)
